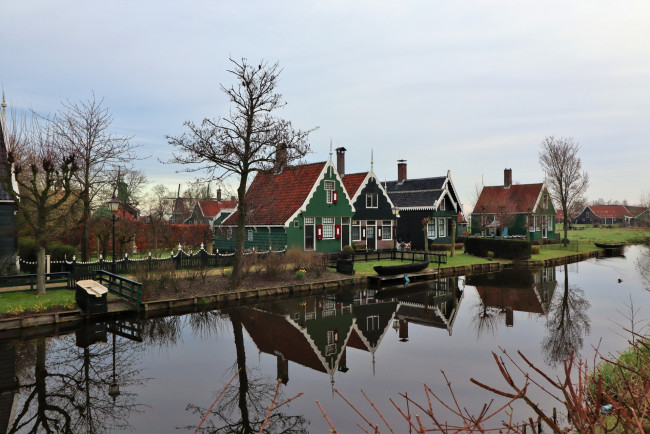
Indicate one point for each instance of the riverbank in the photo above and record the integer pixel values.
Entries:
(187, 291)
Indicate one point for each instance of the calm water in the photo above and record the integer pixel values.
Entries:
(162, 374)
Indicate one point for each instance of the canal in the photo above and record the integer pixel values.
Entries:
(160, 375)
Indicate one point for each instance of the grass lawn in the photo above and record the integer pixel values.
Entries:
(549, 251)
(22, 301)
(605, 235)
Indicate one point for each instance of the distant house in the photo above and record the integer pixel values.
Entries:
(611, 214)
(416, 199)
(8, 208)
(604, 214)
(304, 207)
(211, 211)
(374, 221)
(642, 218)
(524, 210)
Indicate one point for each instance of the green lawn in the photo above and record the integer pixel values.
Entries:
(366, 268)
(22, 301)
(605, 235)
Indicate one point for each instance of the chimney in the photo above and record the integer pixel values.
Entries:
(218, 195)
(340, 160)
(507, 178)
(233, 198)
(401, 170)
(280, 157)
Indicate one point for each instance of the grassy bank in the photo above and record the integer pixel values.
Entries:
(606, 235)
(20, 302)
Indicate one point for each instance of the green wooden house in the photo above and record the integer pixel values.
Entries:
(374, 222)
(416, 199)
(8, 208)
(302, 207)
(520, 210)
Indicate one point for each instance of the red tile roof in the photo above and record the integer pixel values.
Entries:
(274, 198)
(521, 197)
(353, 181)
(610, 211)
(211, 208)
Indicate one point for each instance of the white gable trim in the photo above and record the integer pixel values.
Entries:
(371, 175)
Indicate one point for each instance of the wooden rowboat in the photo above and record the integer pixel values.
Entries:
(392, 270)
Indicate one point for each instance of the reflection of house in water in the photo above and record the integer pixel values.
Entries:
(315, 331)
(8, 385)
(431, 304)
(519, 289)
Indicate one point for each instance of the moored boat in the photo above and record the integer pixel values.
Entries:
(610, 245)
(391, 270)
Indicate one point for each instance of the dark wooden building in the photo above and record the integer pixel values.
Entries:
(8, 208)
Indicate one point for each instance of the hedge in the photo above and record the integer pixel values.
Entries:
(502, 248)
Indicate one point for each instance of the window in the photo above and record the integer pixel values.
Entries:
(549, 223)
(372, 200)
(431, 229)
(309, 220)
(296, 224)
(329, 191)
(328, 227)
(442, 227)
(545, 201)
(229, 233)
(372, 322)
(442, 204)
(250, 235)
(387, 230)
(356, 230)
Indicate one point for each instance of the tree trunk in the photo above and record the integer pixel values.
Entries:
(243, 374)
(565, 241)
(40, 268)
(85, 221)
(237, 270)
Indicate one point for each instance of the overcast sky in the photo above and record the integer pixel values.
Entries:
(471, 87)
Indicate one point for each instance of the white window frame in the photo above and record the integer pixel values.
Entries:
(387, 227)
(431, 229)
(329, 188)
(328, 228)
(442, 227)
(251, 236)
(356, 224)
(372, 200)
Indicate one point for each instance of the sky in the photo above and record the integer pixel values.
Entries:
(470, 87)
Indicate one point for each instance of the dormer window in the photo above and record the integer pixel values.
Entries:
(372, 200)
(329, 191)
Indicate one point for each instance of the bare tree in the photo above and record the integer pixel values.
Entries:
(44, 178)
(83, 130)
(566, 180)
(249, 139)
(158, 208)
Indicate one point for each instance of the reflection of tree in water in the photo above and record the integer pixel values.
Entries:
(242, 408)
(162, 332)
(64, 388)
(643, 265)
(567, 324)
(487, 318)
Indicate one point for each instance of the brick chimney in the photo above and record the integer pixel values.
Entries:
(401, 170)
(218, 195)
(507, 178)
(280, 157)
(340, 160)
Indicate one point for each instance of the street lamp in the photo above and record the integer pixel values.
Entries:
(113, 205)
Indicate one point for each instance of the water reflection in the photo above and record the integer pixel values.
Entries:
(243, 407)
(514, 290)
(567, 324)
(73, 383)
(315, 332)
(643, 266)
